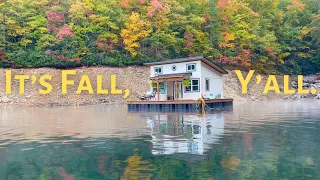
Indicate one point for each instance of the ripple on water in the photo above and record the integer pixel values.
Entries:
(278, 138)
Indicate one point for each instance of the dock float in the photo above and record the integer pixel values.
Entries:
(178, 105)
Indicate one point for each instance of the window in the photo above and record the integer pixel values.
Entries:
(194, 86)
(162, 87)
(207, 84)
(158, 70)
(191, 67)
(174, 68)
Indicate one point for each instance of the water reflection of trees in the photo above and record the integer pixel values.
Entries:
(264, 152)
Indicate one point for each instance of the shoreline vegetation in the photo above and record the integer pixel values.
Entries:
(271, 37)
(135, 78)
(117, 36)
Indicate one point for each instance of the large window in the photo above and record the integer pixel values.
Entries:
(191, 67)
(194, 86)
(207, 84)
(162, 87)
(158, 70)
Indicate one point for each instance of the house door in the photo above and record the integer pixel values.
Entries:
(177, 90)
(170, 91)
(180, 89)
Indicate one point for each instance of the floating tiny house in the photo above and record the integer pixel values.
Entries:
(180, 82)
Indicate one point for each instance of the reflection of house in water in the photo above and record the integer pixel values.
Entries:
(174, 133)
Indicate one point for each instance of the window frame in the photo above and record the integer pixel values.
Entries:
(162, 88)
(158, 67)
(191, 86)
(195, 67)
(207, 84)
(173, 67)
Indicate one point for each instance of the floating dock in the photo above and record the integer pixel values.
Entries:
(179, 105)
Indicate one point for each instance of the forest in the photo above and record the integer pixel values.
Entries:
(270, 36)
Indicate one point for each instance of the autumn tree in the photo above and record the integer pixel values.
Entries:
(138, 168)
(269, 36)
(135, 30)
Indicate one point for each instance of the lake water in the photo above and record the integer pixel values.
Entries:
(255, 140)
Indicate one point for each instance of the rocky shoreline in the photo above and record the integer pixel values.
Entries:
(309, 82)
(136, 78)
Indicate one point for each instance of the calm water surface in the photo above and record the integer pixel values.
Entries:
(260, 140)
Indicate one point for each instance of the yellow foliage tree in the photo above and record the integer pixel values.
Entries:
(296, 5)
(227, 41)
(135, 29)
(137, 169)
(78, 11)
(304, 32)
(230, 162)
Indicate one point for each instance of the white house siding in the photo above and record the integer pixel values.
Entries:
(216, 84)
(207, 133)
(202, 72)
(181, 68)
(192, 95)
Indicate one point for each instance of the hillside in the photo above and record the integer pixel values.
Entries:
(270, 36)
(135, 78)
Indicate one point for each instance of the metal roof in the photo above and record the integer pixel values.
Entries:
(172, 75)
(196, 58)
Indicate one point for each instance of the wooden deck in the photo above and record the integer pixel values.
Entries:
(180, 101)
(180, 105)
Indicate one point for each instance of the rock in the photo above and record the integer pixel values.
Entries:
(281, 89)
(309, 79)
(103, 100)
(5, 99)
(296, 96)
(294, 84)
(253, 98)
(306, 85)
(286, 97)
(314, 86)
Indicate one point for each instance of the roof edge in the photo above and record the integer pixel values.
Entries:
(222, 70)
(195, 58)
(174, 60)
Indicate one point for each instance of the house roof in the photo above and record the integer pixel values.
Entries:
(171, 76)
(196, 58)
